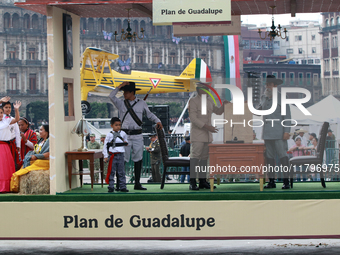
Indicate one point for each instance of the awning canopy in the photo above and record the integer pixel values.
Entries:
(143, 8)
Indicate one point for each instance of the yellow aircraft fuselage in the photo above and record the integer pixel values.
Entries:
(158, 83)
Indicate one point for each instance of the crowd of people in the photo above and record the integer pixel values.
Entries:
(20, 149)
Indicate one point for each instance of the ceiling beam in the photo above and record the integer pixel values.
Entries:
(292, 8)
(142, 9)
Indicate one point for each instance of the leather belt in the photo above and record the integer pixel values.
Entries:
(133, 132)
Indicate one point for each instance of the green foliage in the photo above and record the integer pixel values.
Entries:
(175, 109)
(98, 110)
(37, 111)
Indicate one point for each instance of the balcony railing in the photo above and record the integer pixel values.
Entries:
(327, 29)
(13, 91)
(33, 62)
(12, 62)
(141, 65)
(33, 91)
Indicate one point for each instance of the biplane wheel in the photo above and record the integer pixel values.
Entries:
(85, 107)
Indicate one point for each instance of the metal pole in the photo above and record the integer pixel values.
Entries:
(180, 117)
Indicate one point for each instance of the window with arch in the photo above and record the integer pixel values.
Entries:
(153, 29)
(327, 23)
(326, 43)
(142, 25)
(172, 58)
(332, 22)
(7, 20)
(338, 20)
(13, 81)
(31, 54)
(187, 58)
(118, 26)
(35, 21)
(90, 25)
(140, 57)
(135, 27)
(156, 58)
(168, 32)
(12, 53)
(15, 21)
(159, 30)
(125, 24)
(100, 24)
(32, 81)
(83, 24)
(203, 56)
(123, 55)
(44, 23)
(27, 22)
(108, 25)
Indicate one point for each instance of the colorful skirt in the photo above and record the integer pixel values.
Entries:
(7, 167)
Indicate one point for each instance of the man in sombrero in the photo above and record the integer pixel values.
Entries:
(131, 114)
(274, 134)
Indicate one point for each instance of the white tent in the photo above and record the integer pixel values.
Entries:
(326, 109)
(303, 119)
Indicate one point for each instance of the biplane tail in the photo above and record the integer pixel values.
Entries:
(198, 70)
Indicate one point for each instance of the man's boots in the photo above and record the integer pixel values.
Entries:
(271, 175)
(193, 163)
(138, 170)
(285, 164)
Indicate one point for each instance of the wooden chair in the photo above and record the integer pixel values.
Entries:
(170, 161)
(316, 160)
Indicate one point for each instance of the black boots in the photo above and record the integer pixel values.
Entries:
(271, 175)
(138, 170)
(193, 185)
(193, 163)
(271, 184)
(285, 164)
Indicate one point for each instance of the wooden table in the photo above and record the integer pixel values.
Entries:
(236, 157)
(83, 155)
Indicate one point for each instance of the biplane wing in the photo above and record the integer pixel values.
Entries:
(98, 78)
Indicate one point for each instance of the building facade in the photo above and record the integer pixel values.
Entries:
(302, 45)
(23, 40)
(330, 53)
(293, 75)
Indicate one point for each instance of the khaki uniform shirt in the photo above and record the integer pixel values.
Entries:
(198, 133)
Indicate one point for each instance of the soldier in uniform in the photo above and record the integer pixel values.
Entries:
(155, 156)
(131, 112)
(106, 164)
(94, 145)
(275, 135)
(201, 136)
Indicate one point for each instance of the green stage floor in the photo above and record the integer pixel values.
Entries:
(177, 192)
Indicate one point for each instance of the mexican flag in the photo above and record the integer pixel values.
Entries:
(232, 62)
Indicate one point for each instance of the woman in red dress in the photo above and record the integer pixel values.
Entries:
(7, 167)
(28, 138)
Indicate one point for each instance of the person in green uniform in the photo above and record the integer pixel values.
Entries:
(106, 164)
(155, 156)
(93, 145)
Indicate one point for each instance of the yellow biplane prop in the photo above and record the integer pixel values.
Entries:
(98, 78)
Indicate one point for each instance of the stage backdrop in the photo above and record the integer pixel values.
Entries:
(170, 220)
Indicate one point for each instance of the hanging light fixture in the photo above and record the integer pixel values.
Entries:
(273, 32)
(128, 35)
